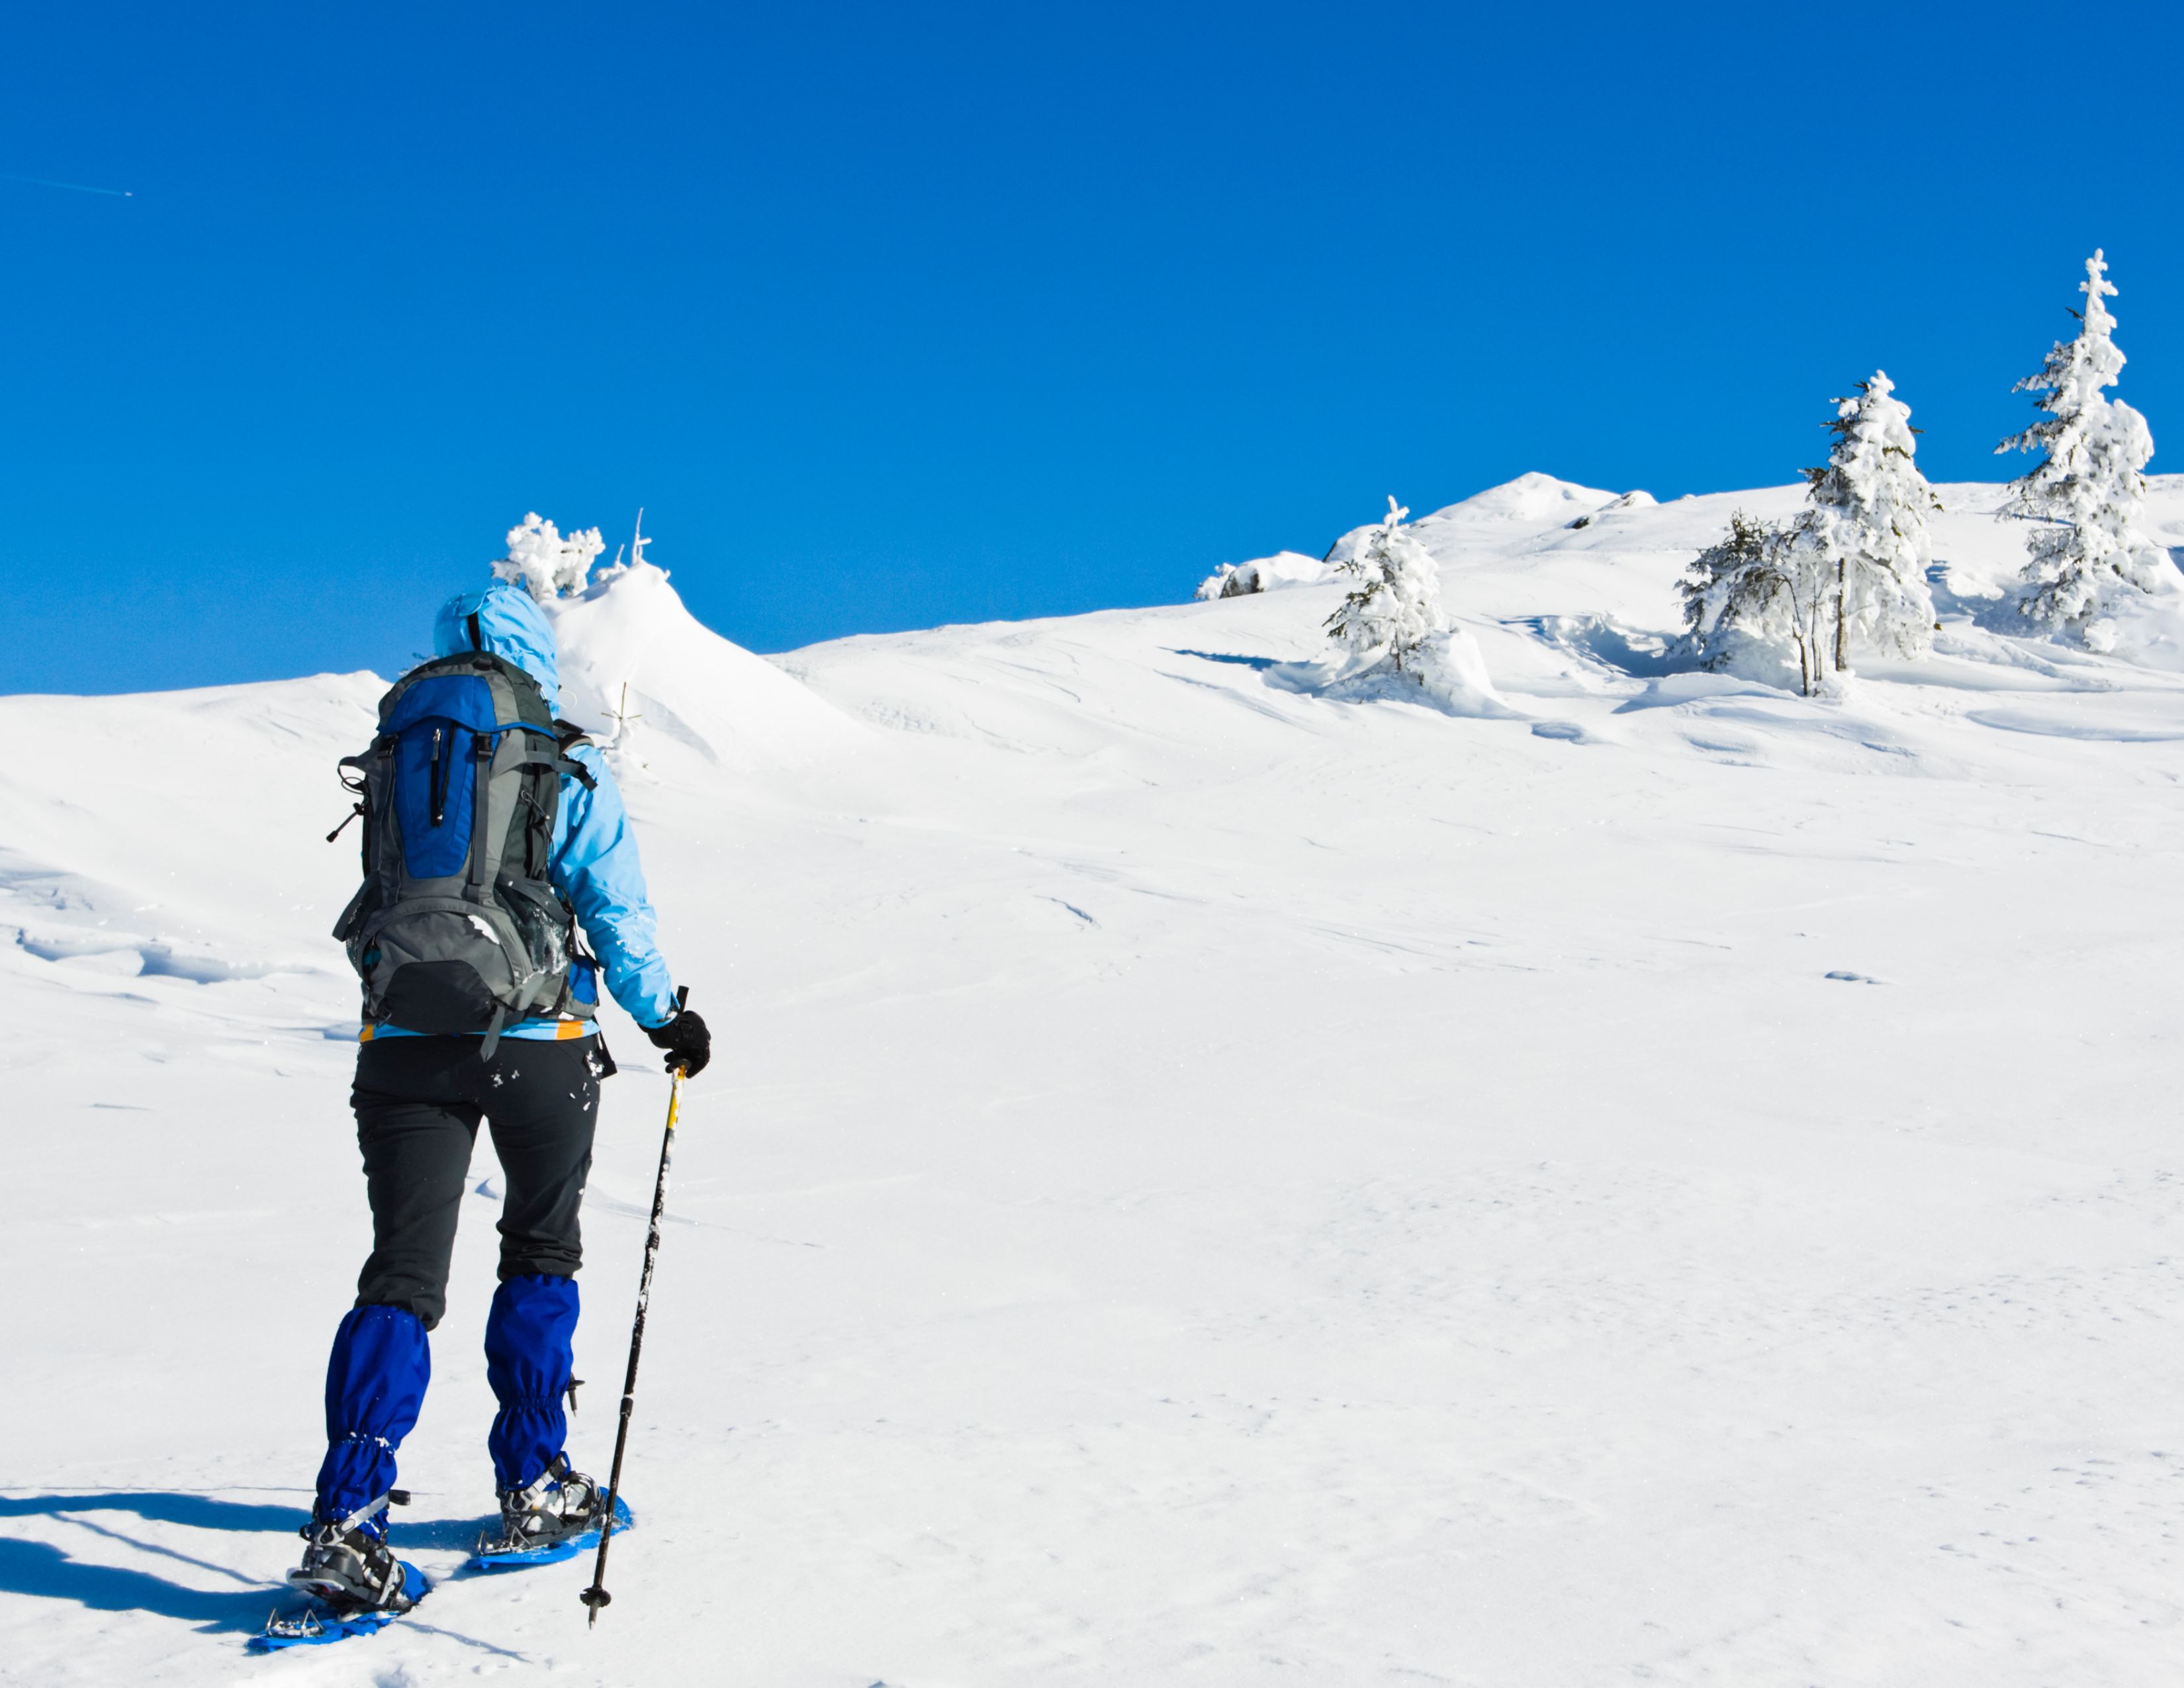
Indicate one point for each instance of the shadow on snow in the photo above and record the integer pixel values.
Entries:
(42, 1571)
(1635, 654)
(1260, 663)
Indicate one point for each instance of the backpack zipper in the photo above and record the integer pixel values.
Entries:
(440, 760)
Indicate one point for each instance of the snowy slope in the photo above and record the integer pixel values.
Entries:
(1203, 1183)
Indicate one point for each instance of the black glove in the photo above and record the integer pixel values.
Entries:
(688, 1044)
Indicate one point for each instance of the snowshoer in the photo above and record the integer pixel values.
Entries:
(492, 831)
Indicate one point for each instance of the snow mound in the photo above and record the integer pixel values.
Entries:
(2143, 628)
(1448, 672)
(638, 667)
(1533, 497)
(1264, 574)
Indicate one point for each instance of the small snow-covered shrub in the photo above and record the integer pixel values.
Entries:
(1757, 596)
(1395, 608)
(1727, 590)
(548, 563)
(2088, 550)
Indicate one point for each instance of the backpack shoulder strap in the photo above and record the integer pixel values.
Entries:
(567, 735)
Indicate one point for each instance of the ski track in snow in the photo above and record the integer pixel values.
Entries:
(1200, 1182)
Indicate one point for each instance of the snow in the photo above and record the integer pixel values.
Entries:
(1531, 498)
(548, 563)
(1201, 1181)
(634, 660)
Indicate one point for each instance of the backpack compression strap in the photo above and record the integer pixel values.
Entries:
(484, 749)
(485, 753)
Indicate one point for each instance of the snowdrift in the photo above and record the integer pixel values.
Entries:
(637, 668)
(177, 835)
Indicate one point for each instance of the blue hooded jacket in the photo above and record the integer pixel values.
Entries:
(594, 862)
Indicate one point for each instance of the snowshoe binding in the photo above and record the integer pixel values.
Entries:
(356, 1585)
(556, 1518)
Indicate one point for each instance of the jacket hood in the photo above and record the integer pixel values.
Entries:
(507, 624)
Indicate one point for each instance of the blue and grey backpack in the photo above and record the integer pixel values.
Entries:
(458, 927)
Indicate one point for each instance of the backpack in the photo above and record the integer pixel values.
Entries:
(458, 927)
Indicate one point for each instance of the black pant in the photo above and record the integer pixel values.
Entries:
(418, 1102)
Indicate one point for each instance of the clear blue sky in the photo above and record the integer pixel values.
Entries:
(897, 315)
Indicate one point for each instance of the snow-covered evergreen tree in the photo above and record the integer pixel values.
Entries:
(2086, 496)
(1395, 608)
(1867, 514)
(1848, 574)
(548, 563)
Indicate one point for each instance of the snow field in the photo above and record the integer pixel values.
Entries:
(1203, 1182)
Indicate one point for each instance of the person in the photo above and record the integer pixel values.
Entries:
(418, 1097)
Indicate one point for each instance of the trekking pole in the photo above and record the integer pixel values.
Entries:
(596, 1595)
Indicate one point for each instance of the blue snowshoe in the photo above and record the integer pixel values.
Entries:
(318, 1622)
(353, 1583)
(557, 1517)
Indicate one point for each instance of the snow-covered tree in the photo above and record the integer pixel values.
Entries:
(616, 569)
(1726, 589)
(1848, 574)
(2086, 496)
(1867, 513)
(1763, 589)
(1395, 608)
(548, 563)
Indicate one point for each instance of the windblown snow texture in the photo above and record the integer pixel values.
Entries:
(1206, 1182)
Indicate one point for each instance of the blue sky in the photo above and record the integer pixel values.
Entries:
(896, 315)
